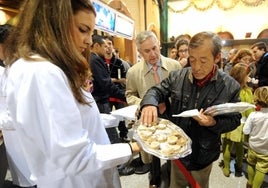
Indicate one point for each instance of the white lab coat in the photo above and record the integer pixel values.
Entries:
(19, 170)
(65, 143)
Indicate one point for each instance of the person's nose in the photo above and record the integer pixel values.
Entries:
(153, 53)
(196, 66)
(88, 41)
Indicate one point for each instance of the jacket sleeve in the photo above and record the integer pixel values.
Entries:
(123, 70)
(158, 93)
(132, 94)
(248, 125)
(117, 92)
(102, 80)
(263, 72)
(101, 76)
(228, 122)
(6, 121)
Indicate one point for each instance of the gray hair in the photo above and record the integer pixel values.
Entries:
(143, 36)
(199, 38)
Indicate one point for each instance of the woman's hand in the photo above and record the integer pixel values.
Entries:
(183, 62)
(135, 147)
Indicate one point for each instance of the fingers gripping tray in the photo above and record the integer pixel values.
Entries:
(163, 139)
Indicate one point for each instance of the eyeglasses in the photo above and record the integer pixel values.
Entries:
(183, 51)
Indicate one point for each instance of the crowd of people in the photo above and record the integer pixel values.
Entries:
(58, 77)
(247, 66)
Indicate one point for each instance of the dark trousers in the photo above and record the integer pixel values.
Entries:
(112, 132)
(3, 164)
(123, 131)
(155, 172)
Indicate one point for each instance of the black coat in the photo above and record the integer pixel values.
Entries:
(262, 70)
(115, 65)
(186, 95)
(102, 83)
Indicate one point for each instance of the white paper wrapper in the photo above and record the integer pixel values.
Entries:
(127, 113)
(228, 108)
(187, 113)
(158, 140)
(218, 109)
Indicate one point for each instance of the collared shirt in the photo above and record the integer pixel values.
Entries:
(159, 70)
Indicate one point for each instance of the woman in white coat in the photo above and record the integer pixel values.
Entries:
(16, 162)
(55, 116)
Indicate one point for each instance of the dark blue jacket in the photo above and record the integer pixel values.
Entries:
(262, 70)
(102, 83)
(116, 64)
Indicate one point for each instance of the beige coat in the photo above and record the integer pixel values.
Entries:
(139, 78)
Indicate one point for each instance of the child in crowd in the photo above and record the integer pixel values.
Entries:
(257, 128)
(240, 73)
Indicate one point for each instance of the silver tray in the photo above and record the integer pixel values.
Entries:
(168, 147)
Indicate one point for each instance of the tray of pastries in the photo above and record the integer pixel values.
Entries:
(163, 139)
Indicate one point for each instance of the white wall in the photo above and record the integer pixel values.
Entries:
(239, 20)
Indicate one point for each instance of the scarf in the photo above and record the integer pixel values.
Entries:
(202, 83)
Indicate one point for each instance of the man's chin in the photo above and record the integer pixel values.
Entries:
(198, 77)
(154, 62)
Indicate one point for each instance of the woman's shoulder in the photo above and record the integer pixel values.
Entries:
(2, 69)
(36, 62)
(33, 68)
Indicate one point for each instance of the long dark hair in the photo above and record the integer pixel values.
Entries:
(44, 28)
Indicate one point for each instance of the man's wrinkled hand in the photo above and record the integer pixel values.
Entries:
(149, 115)
(204, 120)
